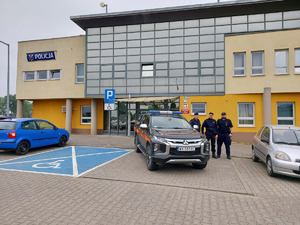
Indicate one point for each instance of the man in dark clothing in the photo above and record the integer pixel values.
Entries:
(225, 130)
(196, 121)
(210, 132)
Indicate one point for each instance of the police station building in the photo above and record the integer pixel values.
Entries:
(240, 57)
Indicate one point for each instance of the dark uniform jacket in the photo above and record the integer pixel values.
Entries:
(195, 122)
(224, 126)
(210, 125)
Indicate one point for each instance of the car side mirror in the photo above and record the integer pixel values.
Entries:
(195, 127)
(143, 126)
(265, 140)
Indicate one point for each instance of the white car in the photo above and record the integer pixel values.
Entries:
(279, 148)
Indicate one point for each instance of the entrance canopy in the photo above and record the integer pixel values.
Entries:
(149, 100)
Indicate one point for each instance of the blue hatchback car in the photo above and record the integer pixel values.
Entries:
(23, 134)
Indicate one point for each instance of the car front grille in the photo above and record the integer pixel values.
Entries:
(183, 142)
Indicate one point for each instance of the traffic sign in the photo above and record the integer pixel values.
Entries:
(185, 106)
(109, 96)
(109, 106)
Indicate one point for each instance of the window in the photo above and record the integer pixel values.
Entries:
(29, 75)
(297, 61)
(147, 70)
(199, 108)
(266, 134)
(43, 125)
(29, 125)
(79, 73)
(54, 74)
(246, 115)
(257, 67)
(281, 62)
(42, 75)
(285, 113)
(239, 64)
(86, 114)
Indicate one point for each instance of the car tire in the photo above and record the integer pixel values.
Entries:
(136, 141)
(62, 141)
(270, 167)
(152, 166)
(23, 148)
(199, 166)
(254, 157)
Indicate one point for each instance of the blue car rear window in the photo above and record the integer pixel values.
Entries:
(4, 125)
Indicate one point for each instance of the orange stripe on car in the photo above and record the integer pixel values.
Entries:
(142, 134)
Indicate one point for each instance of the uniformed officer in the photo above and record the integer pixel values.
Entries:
(210, 132)
(196, 121)
(225, 130)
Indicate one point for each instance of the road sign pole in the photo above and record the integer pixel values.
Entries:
(109, 127)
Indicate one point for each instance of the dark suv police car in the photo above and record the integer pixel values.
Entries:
(166, 137)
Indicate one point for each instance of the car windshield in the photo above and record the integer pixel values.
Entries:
(286, 136)
(169, 123)
(4, 125)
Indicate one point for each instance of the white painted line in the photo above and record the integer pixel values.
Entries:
(64, 157)
(29, 171)
(74, 161)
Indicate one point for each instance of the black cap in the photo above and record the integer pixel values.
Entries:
(223, 113)
(211, 113)
(196, 114)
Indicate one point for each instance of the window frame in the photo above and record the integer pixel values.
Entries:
(287, 62)
(239, 68)
(285, 118)
(25, 77)
(201, 114)
(50, 74)
(76, 75)
(147, 64)
(84, 117)
(258, 67)
(37, 74)
(246, 118)
(295, 65)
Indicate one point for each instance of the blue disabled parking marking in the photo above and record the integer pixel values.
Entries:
(70, 161)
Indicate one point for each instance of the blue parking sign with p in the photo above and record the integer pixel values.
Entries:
(109, 96)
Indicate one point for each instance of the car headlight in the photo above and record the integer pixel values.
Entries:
(159, 139)
(282, 156)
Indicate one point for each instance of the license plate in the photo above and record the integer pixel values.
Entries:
(185, 149)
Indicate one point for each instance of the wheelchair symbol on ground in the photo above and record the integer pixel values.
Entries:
(70, 161)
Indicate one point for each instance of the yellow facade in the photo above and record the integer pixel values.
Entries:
(69, 51)
(267, 42)
(228, 104)
(51, 110)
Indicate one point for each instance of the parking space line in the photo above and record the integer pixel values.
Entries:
(74, 161)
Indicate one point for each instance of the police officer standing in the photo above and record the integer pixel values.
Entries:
(196, 121)
(210, 132)
(225, 130)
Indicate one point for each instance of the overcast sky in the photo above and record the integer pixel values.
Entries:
(23, 20)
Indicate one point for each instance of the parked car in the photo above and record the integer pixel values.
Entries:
(22, 135)
(167, 137)
(279, 148)
(3, 117)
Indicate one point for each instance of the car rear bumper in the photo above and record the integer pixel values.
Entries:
(162, 159)
(286, 168)
(6, 145)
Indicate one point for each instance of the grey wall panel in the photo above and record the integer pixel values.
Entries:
(133, 82)
(191, 23)
(191, 80)
(207, 80)
(92, 91)
(92, 76)
(274, 16)
(119, 82)
(223, 20)
(161, 81)
(239, 19)
(106, 83)
(220, 88)
(120, 29)
(134, 90)
(191, 88)
(274, 25)
(107, 30)
(147, 81)
(176, 81)
(147, 27)
(176, 57)
(291, 24)
(161, 89)
(291, 15)
(93, 60)
(120, 90)
(147, 89)
(176, 89)
(161, 73)
(93, 31)
(207, 22)
(207, 88)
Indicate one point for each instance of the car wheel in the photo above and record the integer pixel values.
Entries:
(23, 148)
(152, 166)
(254, 157)
(270, 167)
(136, 142)
(199, 166)
(62, 141)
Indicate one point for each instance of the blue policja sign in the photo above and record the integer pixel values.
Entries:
(40, 56)
(109, 96)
